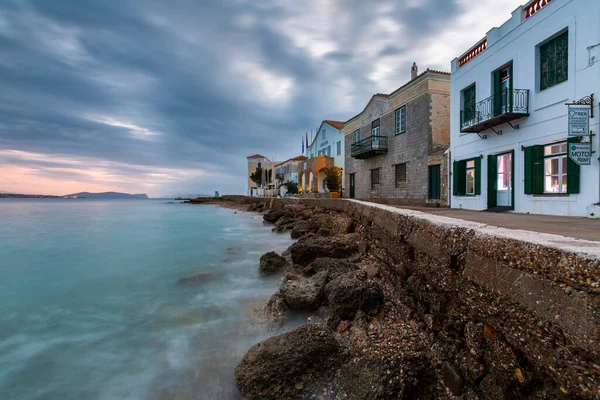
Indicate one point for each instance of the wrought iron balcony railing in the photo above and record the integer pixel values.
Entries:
(369, 147)
(505, 106)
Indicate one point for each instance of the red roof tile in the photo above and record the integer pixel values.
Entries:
(335, 124)
(256, 156)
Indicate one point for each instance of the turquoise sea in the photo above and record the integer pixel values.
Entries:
(91, 307)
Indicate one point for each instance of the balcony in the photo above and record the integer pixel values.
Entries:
(369, 147)
(503, 107)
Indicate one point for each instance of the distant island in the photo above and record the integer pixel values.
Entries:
(107, 196)
(80, 195)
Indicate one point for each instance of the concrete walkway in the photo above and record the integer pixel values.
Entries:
(574, 227)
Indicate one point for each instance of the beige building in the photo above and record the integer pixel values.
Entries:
(395, 146)
(258, 161)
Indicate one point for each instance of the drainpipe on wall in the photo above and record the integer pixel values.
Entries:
(448, 154)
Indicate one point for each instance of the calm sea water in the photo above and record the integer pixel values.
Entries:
(91, 308)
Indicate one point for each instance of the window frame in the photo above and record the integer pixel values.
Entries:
(339, 147)
(356, 136)
(376, 128)
(471, 87)
(377, 172)
(400, 120)
(467, 170)
(400, 183)
(561, 173)
(542, 48)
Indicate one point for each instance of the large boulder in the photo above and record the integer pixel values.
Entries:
(336, 223)
(305, 293)
(271, 263)
(309, 248)
(273, 216)
(275, 311)
(348, 294)
(295, 365)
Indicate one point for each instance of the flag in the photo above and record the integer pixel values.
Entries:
(307, 140)
(302, 146)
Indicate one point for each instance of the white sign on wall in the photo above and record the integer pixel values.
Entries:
(581, 153)
(579, 120)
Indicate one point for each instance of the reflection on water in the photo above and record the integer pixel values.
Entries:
(91, 307)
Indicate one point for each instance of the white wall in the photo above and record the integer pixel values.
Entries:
(517, 41)
(332, 137)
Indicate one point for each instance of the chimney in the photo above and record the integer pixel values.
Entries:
(414, 71)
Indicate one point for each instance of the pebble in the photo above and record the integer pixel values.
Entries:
(568, 290)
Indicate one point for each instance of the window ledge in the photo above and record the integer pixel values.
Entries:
(552, 195)
(467, 195)
(400, 133)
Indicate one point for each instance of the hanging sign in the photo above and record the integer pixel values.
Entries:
(579, 120)
(581, 153)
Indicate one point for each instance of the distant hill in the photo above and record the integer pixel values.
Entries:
(109, 195)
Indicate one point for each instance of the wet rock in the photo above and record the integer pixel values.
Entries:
(501, 360)
(273, 216)
(324, 232)
(297, 364)
(251, 207)
(347, 294)
(452, 379)
(305, 293)
(334, 266)
(309, 248)
(343, 326)
(302, 228)
(195, 279)
(271, 263)
(275, 311)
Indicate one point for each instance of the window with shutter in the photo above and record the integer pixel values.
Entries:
(400, 172)
(468, 95)
(554, 61)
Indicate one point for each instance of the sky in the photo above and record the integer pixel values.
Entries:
(168, 97)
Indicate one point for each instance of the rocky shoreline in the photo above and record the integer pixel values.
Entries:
(391, 317)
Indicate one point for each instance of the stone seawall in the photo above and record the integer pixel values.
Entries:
(501, 305)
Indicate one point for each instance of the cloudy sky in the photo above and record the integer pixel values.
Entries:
(166, 97)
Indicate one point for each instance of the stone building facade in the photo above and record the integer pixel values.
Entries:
(394, 149)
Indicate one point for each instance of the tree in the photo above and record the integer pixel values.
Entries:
(292, 187)
(257, 176)
(333, 178)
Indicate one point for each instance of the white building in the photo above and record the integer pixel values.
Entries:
(509, 118)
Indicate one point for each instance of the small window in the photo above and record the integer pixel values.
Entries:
(339, 148)
(324, 133)
(400, 175)
(375, 128)
(259, 165)
(555, 168)
(357, 136)
(374, 177)
(401, 120)
(470, 177)
(554, 61)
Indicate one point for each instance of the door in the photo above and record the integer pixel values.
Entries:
(434, 181)
(503, 90)
(375, 129)
(504, 180)
(352, 183)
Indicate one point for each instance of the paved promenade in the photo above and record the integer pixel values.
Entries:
(575, 227)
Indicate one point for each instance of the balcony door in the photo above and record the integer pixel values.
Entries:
(375, 131)
(503, 90)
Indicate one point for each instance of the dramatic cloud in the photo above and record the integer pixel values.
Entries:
(171, 96)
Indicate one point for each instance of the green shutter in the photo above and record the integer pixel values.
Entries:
(510, 96)
(469, 104)
(455, 168)
(477, 175)
(554, 61)
(528, 170)
(537, 166)
(492, 181)
(572, 170)
(497, 94)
